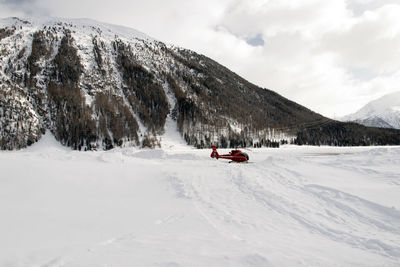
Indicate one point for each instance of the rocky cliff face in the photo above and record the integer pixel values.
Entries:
(97, 86)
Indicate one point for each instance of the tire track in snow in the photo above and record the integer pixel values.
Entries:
(339, 216)
(372, 222)
(242, 201)
(219, 202)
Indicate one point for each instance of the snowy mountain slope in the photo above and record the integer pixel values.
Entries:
(111, 69)
(98, 86)
(294, 206)
(383, 112)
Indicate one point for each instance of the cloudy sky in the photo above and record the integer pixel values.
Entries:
(331, 56)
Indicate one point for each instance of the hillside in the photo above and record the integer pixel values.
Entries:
(98, 86)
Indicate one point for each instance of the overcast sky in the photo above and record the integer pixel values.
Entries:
(331, 56)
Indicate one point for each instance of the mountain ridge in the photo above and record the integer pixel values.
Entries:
(95, 87)
(382, 112)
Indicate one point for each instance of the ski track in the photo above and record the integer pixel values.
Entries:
(287, 207)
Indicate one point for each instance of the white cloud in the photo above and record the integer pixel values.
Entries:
(319, 53)
(331, 56)
(371, 41)
(20, 8)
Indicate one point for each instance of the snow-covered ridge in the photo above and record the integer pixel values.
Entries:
(383, 112)
(83, 25)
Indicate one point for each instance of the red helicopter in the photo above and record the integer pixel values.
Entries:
(234, 155)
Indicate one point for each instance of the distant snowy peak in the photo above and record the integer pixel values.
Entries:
(374, 122)
(383, 112)
(83, 26)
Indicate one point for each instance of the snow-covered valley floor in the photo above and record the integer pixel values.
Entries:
(292, 206)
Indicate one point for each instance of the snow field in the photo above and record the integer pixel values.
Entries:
(175, 206)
